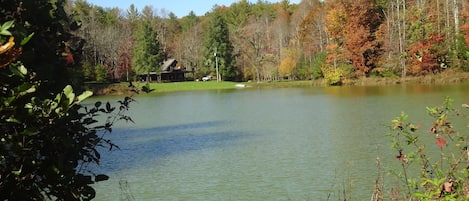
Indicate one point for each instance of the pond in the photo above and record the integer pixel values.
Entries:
(261, 144)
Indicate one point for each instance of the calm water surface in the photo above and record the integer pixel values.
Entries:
(269, 144)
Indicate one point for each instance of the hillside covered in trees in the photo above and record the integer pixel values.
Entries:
(331, 39)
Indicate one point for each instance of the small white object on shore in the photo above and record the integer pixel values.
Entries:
(240, 85)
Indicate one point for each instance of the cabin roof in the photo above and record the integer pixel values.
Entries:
(166, 67)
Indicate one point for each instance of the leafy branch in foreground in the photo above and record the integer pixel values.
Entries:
(48, 140)
(424, 176)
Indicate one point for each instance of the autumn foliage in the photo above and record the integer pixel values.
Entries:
(426, 56)
(352, 26)
(288, 64)
(386, 38)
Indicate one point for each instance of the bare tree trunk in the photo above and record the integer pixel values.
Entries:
(401, 26)
(438, 12)
(447, 23)
(456, 17)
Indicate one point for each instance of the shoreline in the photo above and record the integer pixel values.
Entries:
(106, 89)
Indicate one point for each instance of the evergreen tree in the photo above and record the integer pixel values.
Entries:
(217, 46)
(148, 55)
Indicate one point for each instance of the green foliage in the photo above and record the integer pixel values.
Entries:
(148, 55)
(4, 28)
(189, 21)
(48, 143)
(52, 28)
(48, 140)
(264, 8)
(319, 60)
(89, 73)
(311, 69)
(217, 45)
(238, 14)
(100, 72)
(460, 56)
(425, 177)
(303, 72)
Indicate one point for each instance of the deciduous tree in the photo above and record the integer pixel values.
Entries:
(363, 21)
(288, 63)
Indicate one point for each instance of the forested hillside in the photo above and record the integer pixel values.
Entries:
(331, 39)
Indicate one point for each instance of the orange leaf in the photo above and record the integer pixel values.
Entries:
(441, 142)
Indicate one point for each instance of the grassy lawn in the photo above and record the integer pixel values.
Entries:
(122, 88)
(189, 86)
(210, 85)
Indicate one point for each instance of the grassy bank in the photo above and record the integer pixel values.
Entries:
(123, 88)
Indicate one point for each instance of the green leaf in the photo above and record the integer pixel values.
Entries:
(31, 90)
(7, 101)
(26, 40)
(68, 92)
(54, 105)
(404, 117)
(19, 71)
(8, 24)
(58, 98)
(28, 106)
(4, 28)
(17, 172)
(5, 32)
(84, 96)
(23, 70)
(13, 120)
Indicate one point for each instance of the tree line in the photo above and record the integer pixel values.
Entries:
(331, 39)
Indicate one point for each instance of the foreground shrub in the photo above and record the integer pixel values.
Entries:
(436, 171)
(48, 140)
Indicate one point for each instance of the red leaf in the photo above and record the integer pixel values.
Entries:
(441, 142)
(69, 58)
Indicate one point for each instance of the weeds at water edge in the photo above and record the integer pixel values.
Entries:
(421, 175)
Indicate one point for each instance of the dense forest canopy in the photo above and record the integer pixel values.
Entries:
(331, 39)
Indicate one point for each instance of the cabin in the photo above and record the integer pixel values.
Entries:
(169, 72)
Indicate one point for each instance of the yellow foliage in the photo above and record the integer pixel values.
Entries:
(332, 76)
(289, 62)
(287, 66)
(336, 19)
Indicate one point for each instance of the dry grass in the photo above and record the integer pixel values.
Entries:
(447, 77)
